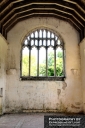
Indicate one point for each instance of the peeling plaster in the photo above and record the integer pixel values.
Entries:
(73, 106)
(58, 92)
(64, 85)
(78, 103)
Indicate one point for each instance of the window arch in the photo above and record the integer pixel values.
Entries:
(42, 56)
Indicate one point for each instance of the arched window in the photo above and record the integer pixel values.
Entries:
(42, 56)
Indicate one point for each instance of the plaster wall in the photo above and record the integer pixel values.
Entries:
(82, 53)
(3, 62)
(43, 96)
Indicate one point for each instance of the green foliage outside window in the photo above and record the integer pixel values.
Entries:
(59, 65)
(42, 67)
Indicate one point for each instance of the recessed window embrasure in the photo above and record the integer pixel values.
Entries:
(42, 56)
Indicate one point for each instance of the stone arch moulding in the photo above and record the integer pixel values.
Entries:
(48, 27)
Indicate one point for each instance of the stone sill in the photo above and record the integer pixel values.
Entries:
(43, 78)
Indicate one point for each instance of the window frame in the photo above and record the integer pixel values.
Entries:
(46, 78)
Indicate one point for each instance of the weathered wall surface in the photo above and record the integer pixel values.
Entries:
(82, 53)
(44, 95)
(3, 57)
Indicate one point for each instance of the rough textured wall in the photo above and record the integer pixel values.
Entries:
(82, 52)
(3, 57)
(44, 95)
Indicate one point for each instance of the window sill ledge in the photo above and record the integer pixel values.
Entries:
(43, 78)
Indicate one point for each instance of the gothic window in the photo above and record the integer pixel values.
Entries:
(42, 56)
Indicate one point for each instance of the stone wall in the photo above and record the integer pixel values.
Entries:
(3, 62)
(82, 53)
(43, 96)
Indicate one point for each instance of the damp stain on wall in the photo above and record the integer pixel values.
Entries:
(64, 85)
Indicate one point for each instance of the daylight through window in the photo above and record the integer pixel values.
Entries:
(42, 56)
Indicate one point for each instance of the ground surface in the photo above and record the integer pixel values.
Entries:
(29, 120)
(22, 121)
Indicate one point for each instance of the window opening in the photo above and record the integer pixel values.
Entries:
(42, 56)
